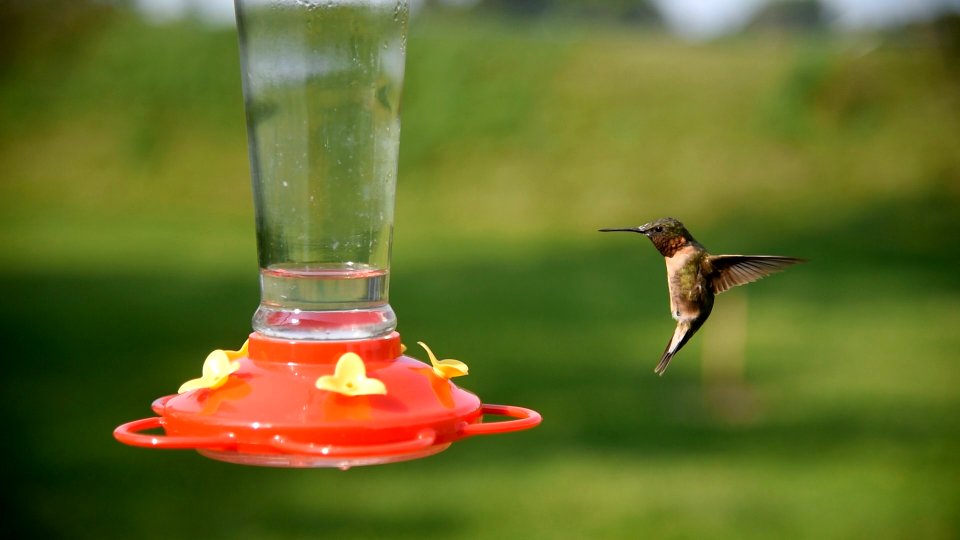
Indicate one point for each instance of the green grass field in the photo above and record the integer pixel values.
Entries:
(820, 403)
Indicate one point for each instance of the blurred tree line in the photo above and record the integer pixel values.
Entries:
(34, 30)
(31, 28)
(641, 11)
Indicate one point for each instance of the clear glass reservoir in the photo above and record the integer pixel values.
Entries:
(322, 82)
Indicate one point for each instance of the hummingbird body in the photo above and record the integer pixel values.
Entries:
(695, 277)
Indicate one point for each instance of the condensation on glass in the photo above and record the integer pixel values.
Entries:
(322, 82)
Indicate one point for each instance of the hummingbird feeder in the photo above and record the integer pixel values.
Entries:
(323, 380)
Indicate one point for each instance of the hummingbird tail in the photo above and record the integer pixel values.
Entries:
(664, 362)
(683, 333)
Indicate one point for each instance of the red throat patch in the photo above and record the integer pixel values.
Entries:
(668, 247)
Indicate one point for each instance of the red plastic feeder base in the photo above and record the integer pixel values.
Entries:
(271, 411)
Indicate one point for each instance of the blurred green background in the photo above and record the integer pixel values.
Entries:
(820, 403)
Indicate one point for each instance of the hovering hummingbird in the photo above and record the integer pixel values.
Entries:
(694, 277)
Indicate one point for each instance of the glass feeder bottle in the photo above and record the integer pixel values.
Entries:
(322, 82)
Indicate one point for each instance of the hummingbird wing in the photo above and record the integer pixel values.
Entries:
(732, 270)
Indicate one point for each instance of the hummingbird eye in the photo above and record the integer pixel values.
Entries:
(658, 229)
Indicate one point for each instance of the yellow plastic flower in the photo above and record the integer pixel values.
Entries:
(216, 368)
(350, 378)
(448, 368)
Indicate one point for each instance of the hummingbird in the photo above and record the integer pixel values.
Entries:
(695, 277)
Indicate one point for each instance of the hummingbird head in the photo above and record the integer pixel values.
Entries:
(667, 234)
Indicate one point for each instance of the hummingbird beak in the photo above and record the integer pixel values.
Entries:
(628, 229)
